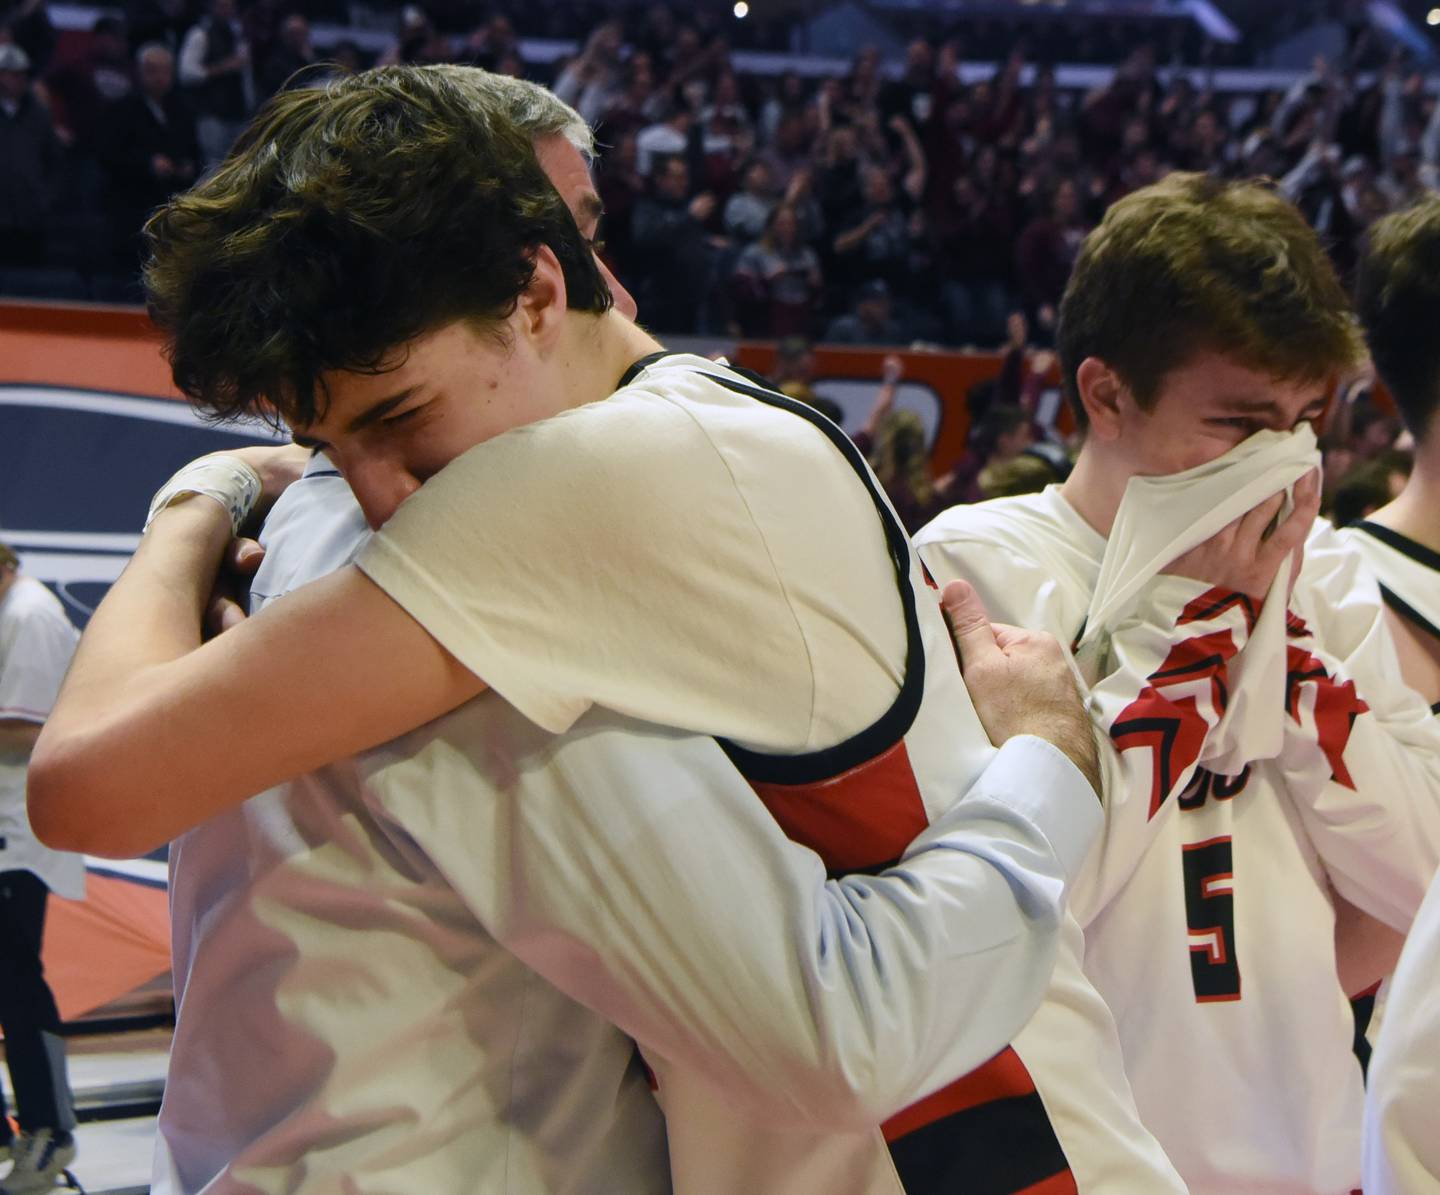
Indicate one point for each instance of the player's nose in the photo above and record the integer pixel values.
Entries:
(380, 487)
(624, 301)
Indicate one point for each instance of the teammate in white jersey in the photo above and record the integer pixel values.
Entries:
(1398, 296)
(720, 624)
(1200, 327)
(36, 643)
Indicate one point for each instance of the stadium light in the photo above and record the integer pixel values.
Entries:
(742, 10)
(1431, 18)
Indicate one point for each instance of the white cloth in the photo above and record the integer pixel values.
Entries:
(722, 591)
(1402, 1102)
(1237, 1037)
(1162, 518)
(632, 866)
(36, 643)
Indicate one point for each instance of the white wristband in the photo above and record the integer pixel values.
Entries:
(225, 478)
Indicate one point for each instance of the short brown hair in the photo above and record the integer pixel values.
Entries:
(1398, 294)
(347, 221)
(8, 559)
(1195, 264)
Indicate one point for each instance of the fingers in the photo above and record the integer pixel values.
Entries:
(221, 614)
(969, 623)
(1257, 526)
(244, 557)
(1295, 529)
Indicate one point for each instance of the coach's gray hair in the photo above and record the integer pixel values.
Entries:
(531, 108)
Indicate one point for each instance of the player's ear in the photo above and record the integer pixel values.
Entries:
(542, 304)
(1100, 390)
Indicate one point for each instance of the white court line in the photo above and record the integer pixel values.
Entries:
(158, 410)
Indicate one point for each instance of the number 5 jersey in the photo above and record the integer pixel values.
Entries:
(1207, 904)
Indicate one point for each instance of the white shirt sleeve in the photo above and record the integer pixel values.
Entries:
(36, 644)
(616, 556)
(1401, 1144)
(656, 888)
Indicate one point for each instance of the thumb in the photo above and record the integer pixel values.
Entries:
(969, 623)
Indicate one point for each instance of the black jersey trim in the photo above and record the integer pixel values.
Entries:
(1407, 611)
(893, 725)
(639, 367)
(1401, 543)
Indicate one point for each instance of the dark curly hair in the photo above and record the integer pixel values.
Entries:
(347, 221)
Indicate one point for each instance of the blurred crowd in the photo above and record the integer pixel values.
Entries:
(891, 204)
(885, 205)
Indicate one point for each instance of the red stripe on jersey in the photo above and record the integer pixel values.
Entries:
(1059, 1184)
(856, 820)
(1215, 602)
(1003, 1077)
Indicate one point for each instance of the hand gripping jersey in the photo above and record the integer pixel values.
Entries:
(1209, 928)
(706, 558)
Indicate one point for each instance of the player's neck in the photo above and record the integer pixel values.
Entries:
(1415, 514)
(597, 353)
(8, 577)
(1096, 487)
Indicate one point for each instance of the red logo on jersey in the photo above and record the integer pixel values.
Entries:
(1166, 717)
(1335, 707)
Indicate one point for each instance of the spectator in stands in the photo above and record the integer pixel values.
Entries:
(150, 150)
(1002, 434)
(163, 21)
(415, 40)
(674, 252)
(973, 233)
(292, 52)
(215, 72)
(668, 138)
(31, 28)
(794, 376)
(875, 245)
(81, 87)
(870, 322)
(747, 211)
(777, 279)
(592, 80)
(1369, 486)
(635, 105)
(492, 43)
(894, 442)
(30, 156)
(1045, 252)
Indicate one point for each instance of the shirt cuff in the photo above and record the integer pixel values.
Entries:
(1034, 779)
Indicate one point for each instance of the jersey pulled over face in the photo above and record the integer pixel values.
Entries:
(1204, 409)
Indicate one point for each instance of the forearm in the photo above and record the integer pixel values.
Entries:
(814, 1002)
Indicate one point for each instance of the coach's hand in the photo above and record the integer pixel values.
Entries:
(1244, 556)
(1019, 681)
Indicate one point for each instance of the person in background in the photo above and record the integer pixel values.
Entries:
(30, 157)
(36, 643)
(149, 150)
(292, 52)
(669, 234)
(83, 86)
(215, 73)
(870, 322)
(777, 279)
(1398, 296)
(747, 211)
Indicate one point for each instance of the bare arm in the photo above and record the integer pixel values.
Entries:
(155, 731)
